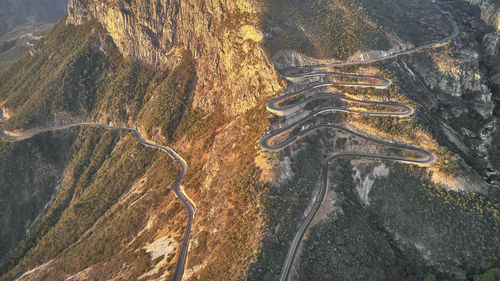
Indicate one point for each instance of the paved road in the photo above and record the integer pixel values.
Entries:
(178, 190)
(301, 73)
(439, 43)
(276, 108)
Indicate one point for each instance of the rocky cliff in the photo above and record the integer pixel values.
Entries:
(223, 37)
(116, 217)
(80, 62)
(490, 11)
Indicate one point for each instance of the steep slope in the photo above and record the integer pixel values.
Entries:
(490, 12)
(196, 75)
(223, 37)
(92, 218)
(31, 172)
(75, 82)
(352, 239)
(77, 74)
(23, 22)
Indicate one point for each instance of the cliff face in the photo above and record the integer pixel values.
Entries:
(490, 12)
(78, 64)
(223, 36)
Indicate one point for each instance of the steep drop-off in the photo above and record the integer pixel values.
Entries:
(31, 174)
(223, 36)
(364, 231)
(77, 73)
(196, 75)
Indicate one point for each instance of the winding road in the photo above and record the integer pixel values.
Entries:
(275, 107)
(302, 73)
(178, 190)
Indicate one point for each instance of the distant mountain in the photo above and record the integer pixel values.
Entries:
(359, 136)
(20, 12)
(23, 21)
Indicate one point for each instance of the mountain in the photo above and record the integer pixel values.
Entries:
(380, 160)
(78, 73)
(23, 22)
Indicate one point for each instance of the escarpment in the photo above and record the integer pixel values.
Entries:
(195, 76)
(223, 36)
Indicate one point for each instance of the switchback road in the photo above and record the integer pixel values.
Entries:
(299, 74)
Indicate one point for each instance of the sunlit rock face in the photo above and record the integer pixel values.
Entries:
(223, 37)
(490, 11)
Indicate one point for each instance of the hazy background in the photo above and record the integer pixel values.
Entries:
(22, 22)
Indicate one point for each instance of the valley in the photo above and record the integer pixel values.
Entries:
(176, 186)
(325, 139)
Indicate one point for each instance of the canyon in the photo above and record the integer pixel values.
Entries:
(198, 77)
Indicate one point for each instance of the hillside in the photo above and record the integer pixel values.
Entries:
(386, 169)
(23, 22)
(382, 220)
(77, 74)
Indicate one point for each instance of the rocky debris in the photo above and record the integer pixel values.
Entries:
(458, 74)
(491, 45)
(364, 183)
(290, 58)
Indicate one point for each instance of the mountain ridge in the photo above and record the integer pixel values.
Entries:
(196, 76)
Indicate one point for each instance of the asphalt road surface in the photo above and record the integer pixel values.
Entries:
(300, 74)
(179, 192)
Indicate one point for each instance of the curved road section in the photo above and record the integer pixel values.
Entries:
(274, 141)
(179, 192)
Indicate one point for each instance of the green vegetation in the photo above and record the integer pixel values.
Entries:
(284, 208)
(169, 99)
(454, 231)
(99, 176)
(452, 226)
(339, 28)
(336, 28)
(433, 106)
(83, 168)
(30, 172)
(416, 22)
(430, 277)
(71, 74)
(45, 84)
(491, 275)
(115, 231)
(359, 242)
(235, 186)
(351, 245)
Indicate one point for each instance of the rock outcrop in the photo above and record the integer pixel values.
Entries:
(223, 36)
(490, 12)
